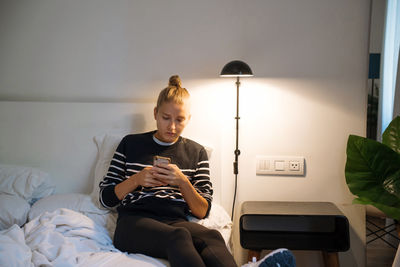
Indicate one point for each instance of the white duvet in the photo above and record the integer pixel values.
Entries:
(64, 238)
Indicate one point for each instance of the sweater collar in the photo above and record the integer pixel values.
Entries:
(161, 143)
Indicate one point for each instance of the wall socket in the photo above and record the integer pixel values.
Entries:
(280, 165)
(294, 165)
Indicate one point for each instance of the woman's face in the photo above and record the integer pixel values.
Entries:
(171, 120)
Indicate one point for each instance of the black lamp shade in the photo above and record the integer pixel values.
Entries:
(236, 68)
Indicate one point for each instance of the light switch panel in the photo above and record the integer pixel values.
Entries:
(280, 165)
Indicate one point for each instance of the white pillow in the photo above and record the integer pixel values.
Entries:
(74, 201)
(13, 210)
(106, 146)
(217, 219)
(26, 182)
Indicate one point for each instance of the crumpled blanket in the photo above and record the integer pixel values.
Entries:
(13, 250)
(59, 238)
(64, 238)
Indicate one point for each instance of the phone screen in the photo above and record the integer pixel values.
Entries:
(160, 159)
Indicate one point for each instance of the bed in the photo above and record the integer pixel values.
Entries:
(50, 213)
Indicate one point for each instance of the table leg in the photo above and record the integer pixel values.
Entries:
(253, 253)
(331, 259)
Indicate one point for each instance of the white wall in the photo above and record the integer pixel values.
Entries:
(309, 58)
(378, 11)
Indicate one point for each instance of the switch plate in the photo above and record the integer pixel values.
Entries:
(280, 165)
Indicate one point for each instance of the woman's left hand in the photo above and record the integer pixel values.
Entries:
(169, 174)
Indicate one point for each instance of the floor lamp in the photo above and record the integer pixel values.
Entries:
(236, 69)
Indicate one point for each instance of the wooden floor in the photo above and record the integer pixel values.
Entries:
(379, 253)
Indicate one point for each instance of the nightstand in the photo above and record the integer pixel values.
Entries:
(295, 226)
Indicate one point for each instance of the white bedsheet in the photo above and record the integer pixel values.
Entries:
(64, 238)
(13, 250)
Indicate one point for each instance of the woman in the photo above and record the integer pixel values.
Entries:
(154, 199)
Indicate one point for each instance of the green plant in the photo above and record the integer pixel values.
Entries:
(373, 170)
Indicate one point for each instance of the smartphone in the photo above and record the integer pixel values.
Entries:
(160, 159)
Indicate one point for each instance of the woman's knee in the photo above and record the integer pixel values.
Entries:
(208, 238)
(179, 234)
(213, 235)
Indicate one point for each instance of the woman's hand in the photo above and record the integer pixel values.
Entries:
(172, 175)
(169, 174)
(147, 178)
(144, 178)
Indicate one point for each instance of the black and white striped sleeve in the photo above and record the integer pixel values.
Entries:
(115, 175)
(201, 180)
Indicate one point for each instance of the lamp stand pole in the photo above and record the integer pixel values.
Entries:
(237, 151)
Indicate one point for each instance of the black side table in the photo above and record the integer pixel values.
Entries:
(296, 226)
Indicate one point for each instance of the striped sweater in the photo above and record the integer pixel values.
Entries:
(136, 151)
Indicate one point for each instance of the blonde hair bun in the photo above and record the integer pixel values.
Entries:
(174, 92)
(174, 80)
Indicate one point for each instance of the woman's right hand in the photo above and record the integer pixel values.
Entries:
(146, 178)
(143, 178)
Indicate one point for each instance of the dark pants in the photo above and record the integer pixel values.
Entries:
(183, 243)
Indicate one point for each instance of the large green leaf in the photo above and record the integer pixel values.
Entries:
(373, 174)
(391, 136)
